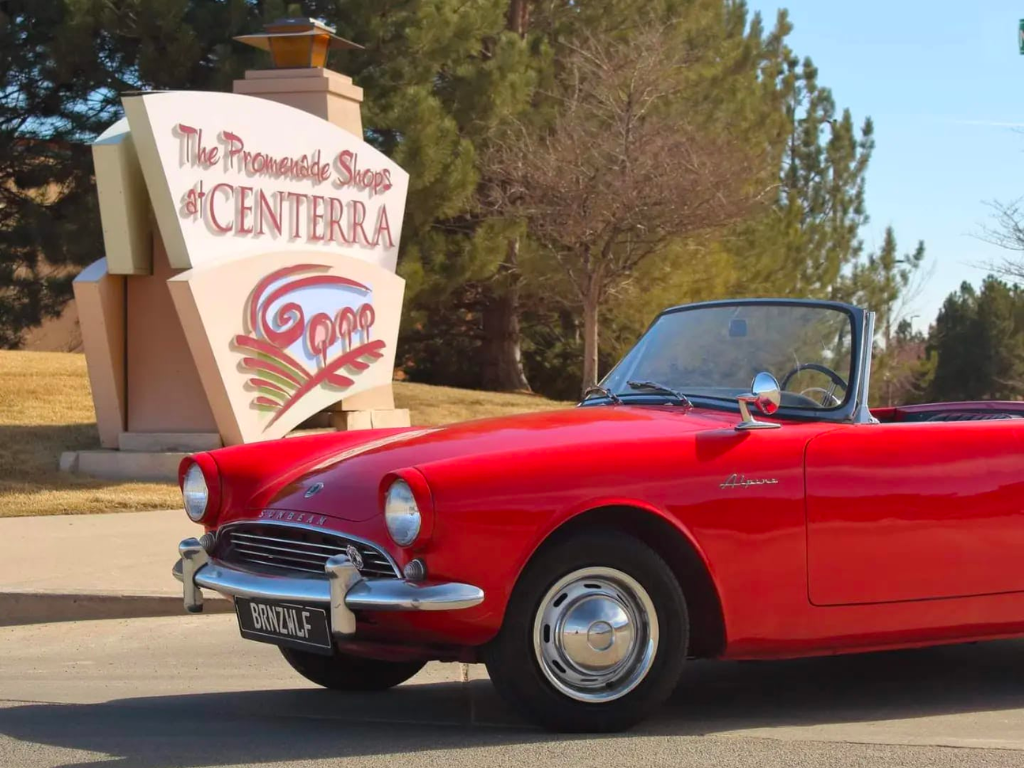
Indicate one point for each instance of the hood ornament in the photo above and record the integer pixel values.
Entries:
(313, 490)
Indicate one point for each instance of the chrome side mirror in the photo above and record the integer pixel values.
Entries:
(766, 396)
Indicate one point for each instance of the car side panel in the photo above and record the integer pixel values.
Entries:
(817, 629)
(492, 518)
(493, 513)
(916, 511)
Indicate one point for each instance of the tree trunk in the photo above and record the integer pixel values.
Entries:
(590, 374)
(502, 349)
(503, 363)
(519, 16)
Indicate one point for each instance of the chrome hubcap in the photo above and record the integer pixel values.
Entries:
(596, 634)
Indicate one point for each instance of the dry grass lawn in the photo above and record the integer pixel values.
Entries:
(46, 408)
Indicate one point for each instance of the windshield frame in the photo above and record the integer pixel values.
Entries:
(861, 324)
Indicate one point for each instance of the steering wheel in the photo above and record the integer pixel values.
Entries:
(827, 397)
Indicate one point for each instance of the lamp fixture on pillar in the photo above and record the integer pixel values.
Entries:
(297, 43)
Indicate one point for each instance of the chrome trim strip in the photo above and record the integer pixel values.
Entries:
(231, 581)
(862, 414)
(395, 595)
(300, 560)
(247, 543)
(261, 539)
(251, 549)
(284, 567)
(340, 588)
(317, 529)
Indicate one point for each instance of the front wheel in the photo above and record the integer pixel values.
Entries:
(343, 672)
(594, 637)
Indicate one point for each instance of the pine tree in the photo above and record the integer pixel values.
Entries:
(806, 243)
(880, 283)
(953, 340)
(978, 342)
(444, 78)
(1001, 364)
(884, 277)
(63, 66)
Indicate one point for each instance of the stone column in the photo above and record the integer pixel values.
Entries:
(321, 92)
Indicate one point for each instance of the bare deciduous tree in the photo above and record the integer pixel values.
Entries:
(621, 172)
(1006, 230)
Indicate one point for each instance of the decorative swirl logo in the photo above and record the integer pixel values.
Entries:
(278, 334)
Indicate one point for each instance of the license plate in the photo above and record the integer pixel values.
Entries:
(288, 624)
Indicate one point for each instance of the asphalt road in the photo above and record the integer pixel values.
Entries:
(186, 691)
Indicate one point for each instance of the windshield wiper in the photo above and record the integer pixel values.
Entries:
(653, 386)
(597, 389)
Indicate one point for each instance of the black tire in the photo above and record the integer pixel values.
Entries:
(342, 672)
(514, 666)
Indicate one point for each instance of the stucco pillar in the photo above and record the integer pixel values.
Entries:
(101, 299)
(321, 92)
(164, 393)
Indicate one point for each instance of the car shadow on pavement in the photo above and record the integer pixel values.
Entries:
(854, 688)
(259, 727)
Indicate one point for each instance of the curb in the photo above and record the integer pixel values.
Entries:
(19, 608)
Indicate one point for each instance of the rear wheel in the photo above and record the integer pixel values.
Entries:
(343, 672)
(594, 636)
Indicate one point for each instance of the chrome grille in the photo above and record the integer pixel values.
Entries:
(295, 548)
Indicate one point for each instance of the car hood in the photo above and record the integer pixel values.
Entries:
(351, 478)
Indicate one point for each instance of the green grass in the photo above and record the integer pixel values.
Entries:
(46, 408)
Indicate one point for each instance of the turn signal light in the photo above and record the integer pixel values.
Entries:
(415, 570)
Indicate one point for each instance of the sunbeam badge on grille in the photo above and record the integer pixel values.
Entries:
(354, 556)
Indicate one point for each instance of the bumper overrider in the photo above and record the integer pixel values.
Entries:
(342, 590)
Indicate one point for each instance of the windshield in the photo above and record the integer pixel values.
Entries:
(716, 351)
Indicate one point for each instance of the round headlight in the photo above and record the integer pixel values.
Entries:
(401, 514)
(195, 493)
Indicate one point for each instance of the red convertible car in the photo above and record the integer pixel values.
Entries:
(584, 555)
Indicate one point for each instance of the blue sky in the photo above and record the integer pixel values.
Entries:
(942, 81)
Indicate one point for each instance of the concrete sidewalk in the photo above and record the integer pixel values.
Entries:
(77, 567)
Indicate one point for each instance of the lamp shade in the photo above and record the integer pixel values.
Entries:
(297, 43)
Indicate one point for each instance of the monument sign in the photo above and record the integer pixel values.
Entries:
(249, 281)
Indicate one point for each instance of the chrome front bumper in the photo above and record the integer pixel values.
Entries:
(342, 589)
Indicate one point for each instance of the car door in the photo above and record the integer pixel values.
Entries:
(915, 511)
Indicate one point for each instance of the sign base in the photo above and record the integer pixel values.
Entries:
(346, 421)
(156, 466)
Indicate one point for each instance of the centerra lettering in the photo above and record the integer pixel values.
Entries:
(252, 211)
